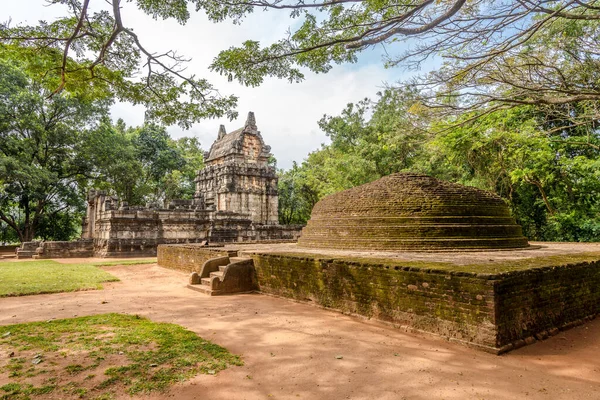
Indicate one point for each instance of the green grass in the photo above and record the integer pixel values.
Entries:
(123, 262)
(36, 277)
(103, 356)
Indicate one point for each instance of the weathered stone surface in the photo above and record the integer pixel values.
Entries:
(237, 177)
(27, 249)
(408, 211)
(74, 249)
(194, 278)
(213, 265)
(492, 314)
(236, 277)
(188, 257)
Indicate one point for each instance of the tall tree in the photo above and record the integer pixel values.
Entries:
(41, 165)
(142, 165)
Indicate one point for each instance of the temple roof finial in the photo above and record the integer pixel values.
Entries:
(250, 121)
(222, 132)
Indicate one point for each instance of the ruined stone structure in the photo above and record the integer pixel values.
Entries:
(407, 211)
(238, 178)
(235, 201)
(387, 250)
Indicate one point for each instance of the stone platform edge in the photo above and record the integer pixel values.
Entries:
(491, 311)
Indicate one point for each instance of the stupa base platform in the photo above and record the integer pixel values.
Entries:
(495, 301)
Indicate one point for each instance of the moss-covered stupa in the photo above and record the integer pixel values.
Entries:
(408, 211)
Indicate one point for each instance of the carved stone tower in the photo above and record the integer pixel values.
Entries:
(237, 177)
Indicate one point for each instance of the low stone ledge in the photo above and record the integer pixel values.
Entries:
(187, 257)
(494, 312)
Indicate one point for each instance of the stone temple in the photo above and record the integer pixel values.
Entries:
(236, 200)
(238, 178)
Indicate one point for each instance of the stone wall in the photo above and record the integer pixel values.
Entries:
(537, 302)
(9, 249)
(138, 232)
(266, 233)
(74, 249)
(493, 312)
(188, 258)
(453, 305)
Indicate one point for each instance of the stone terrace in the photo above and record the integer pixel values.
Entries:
(492, 300)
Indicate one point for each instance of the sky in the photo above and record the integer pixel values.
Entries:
(286, 113)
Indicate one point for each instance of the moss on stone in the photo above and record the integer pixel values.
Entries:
(475, 269)
(408, 211)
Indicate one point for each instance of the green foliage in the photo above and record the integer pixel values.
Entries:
(41, 143)
(53, 149)
(362, 149)
(296, 198)
(144, 165)
(93, 54)
(132, 354)
(550, 180)
(35, 277)
(60, 225)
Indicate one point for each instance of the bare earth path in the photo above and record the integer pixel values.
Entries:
(291, 350)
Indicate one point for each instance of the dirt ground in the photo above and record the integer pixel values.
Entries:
(299, 351)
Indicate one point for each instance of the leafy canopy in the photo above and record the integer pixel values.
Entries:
(92, 52)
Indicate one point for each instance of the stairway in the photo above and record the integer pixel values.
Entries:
(225, 275)
(27, 249)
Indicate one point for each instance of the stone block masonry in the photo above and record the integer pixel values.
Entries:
(493, 301)
(457, 306)
(188, 257)
(495, 312)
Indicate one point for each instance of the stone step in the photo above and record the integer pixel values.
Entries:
(236, 259)
(205, 281)
(202, 289)
(222, 268)
(217, 273)
(25, 254)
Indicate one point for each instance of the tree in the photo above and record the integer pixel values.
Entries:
(296, 198)
(41, 163)
(389, 140)
(142, 165)
(112, 151)
(495, 54)
(96, 54)
(498, 53)
(551, 182)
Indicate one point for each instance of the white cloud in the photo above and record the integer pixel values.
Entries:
(287, 114)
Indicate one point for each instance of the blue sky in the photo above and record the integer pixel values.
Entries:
(286, 114)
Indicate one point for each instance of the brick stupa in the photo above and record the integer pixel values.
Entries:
(408, 211)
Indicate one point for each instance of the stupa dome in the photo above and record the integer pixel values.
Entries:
(408, 211)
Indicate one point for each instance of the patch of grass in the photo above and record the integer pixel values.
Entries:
(128, 353)
(37, 277)
(124, 262)
(17, 391)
